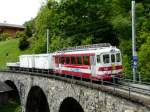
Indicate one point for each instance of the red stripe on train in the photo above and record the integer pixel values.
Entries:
(87, 75)
(78, 74)
(110, 68)
(78, 66)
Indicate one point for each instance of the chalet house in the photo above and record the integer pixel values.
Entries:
(11, 29)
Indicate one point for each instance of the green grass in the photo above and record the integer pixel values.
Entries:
(10, 107)
(9, 52)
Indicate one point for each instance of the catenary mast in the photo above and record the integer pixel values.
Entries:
(134, 53)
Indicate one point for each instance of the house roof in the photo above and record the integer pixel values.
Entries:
(4, 87)
(11, 25)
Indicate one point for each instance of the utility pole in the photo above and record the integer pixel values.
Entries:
(47, 40)
(134, 54)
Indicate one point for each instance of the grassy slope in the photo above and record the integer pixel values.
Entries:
(9, 52)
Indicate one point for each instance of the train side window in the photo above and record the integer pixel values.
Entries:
(98, 59)
(62, 60)
(67, 60)
(118, 57)
(86, 60)
(112, 58)
(73, 60)
(106, 58)
(79, 60)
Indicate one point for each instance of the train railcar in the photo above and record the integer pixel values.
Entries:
(100, 61)
(44, 61)
(96, 62)
(34, 63)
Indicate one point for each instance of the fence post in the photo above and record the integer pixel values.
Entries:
(102, 81)
(81, 76)
(129, 91)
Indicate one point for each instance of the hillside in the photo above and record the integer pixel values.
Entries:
(9, 52)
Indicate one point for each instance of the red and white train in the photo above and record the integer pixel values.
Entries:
(98, 61)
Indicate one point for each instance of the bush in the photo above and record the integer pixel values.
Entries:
(23, 43)
(20, 34)
(4, 36)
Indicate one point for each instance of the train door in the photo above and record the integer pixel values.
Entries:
(56, 61)
(93, 65)
(113, 63)
(98, 63)
(56, 64)
(106, 63)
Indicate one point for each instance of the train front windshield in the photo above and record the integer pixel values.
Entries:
(118, 57)
(109, 58)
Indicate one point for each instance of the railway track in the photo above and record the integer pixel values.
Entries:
(135, 87)
(122, 84)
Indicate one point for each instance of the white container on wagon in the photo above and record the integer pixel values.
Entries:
(26, 61)
(43, 61)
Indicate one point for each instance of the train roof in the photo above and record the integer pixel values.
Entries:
(88, 51)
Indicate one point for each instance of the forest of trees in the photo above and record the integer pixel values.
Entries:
(79, 22)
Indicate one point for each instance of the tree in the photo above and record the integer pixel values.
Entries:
(77, 22)
(29, 28)
(144, 57)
